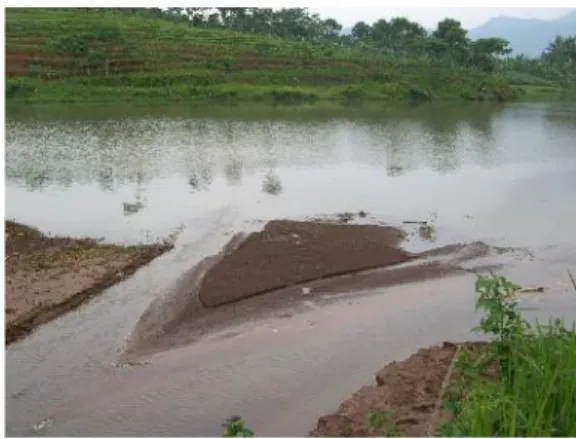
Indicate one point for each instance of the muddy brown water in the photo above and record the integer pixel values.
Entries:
(499, 175)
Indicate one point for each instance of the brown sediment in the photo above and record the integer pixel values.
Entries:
(48, 276)
(288, 253)
(412, 391)
(320, 254)
(409, 390)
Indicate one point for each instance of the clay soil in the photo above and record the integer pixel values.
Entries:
(48, 276)
(410, 390)
(288, 253)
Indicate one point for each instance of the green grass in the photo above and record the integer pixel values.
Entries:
(67, 55)
(523, 384)
(34, 91)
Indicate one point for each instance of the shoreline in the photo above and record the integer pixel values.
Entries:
(75, 91)
(48, 276)
(364, 322)
(473, 388)
(286, 96)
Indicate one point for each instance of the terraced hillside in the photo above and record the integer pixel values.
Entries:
(80, 54)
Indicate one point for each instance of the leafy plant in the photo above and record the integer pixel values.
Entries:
(533, 390)
(19, 87)
(235, 427)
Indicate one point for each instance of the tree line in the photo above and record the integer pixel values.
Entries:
(397, 37)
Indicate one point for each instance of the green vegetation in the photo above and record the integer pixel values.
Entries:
(523, 384)
(257, 54)
(235, 427)
(382, 422)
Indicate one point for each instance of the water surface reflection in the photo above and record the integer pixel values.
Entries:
(138, 176)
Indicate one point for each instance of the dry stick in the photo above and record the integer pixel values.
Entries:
(531, 290)
(434, 417)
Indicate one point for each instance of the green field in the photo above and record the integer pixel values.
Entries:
(69, 55)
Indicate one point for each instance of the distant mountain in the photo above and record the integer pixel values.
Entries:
(526, 36)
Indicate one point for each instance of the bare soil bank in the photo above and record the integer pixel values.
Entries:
(48, 276)
(288, 253)
(411, 390)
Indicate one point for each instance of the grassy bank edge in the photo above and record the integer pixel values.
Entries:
(31, 91)
(523, 383)
(274, 95)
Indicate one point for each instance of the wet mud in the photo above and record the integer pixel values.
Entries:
(289, 253)
(49, 276)
(289, 267)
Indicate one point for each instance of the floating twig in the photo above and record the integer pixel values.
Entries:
(572, 279)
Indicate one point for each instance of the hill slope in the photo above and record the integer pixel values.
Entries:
(527, 36)
(78, 54)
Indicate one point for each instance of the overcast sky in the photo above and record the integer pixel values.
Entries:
(429, 17)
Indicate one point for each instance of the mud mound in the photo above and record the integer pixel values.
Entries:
(409, 389)
(291, 252)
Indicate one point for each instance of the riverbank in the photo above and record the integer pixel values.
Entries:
(74, 91)
(516, 385)
(49, 276)
(70, 380)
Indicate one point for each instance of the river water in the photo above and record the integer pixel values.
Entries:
(504, 175)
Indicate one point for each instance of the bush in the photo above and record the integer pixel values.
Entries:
(292, 95)
(19, 88)
(353, 93)
(416, 94)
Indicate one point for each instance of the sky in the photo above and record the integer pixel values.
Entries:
(429, 17)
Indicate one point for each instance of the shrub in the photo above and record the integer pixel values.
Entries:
(19, 88)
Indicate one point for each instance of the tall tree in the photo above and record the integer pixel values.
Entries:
(403, 34)
(361, 32)
(450, 32)
(485, 52)
(561, 53)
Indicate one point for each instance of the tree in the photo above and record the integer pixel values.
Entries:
(329, 30)
(403, 34)
(381, 34)
(361, 32)
(561, 53)
(450, 32)
(485, 51)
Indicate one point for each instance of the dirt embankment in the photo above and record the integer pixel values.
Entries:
(287, 253)
(410, 391)
(48, 276)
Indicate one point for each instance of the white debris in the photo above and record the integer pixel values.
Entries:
(42, 424)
